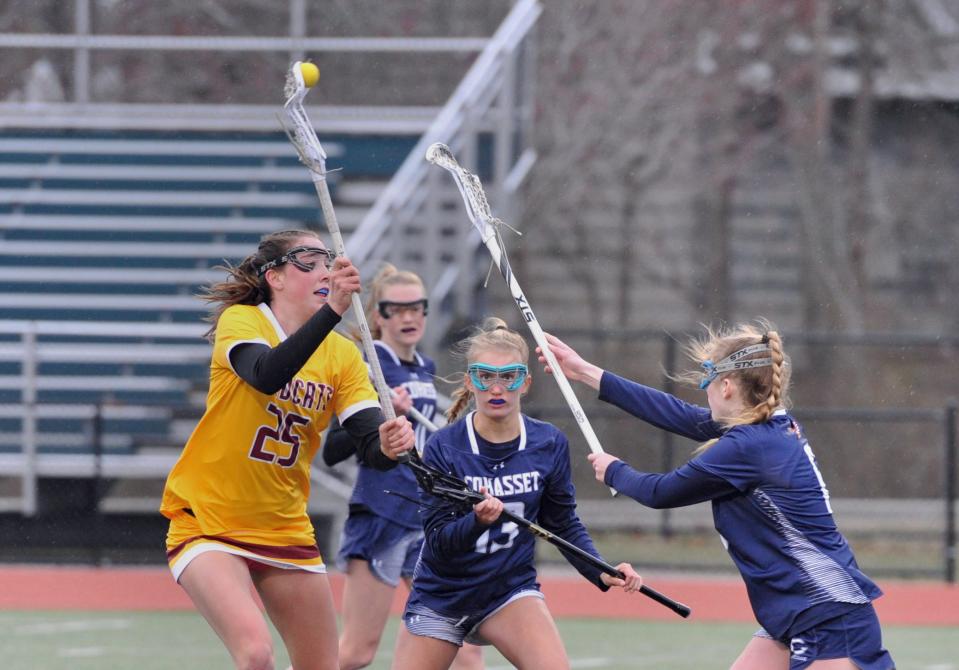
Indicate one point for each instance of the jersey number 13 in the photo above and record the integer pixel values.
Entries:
(502, 536)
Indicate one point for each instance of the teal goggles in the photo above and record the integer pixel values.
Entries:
(510, 377)
(734, 362)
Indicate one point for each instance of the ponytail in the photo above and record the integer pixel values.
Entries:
(764, 388)
(244, 285)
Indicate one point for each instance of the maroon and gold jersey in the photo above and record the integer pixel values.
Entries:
(243, 479)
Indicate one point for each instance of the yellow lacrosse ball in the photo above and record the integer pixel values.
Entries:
(311, 74)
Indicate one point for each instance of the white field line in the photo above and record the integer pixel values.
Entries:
(79, 626)
(81, 652)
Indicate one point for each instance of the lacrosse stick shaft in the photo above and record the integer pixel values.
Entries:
(477, 208)
(313, 157)
(502, 262)
(598, 563)
(422, 420)
(448, 487)
(499, 258)
(418, 416)
(326, 202)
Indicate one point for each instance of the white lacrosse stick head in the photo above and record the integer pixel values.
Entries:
(295, 88)
(470, 186)
(297, 125)
(440, 154)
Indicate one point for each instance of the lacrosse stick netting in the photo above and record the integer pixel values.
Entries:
(454, 490)
(301, 134)
(478, 210)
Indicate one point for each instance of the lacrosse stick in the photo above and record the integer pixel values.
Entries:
(419, 416)
(452, 489)
(422, 420)
(300, 132)
(478, 210)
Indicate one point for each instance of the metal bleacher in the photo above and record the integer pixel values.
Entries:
(106, 242)
(107, 234)
(101, 226)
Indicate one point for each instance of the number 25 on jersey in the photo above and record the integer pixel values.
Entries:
(282, 433)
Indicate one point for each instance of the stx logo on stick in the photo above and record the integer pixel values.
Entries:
(524, 308)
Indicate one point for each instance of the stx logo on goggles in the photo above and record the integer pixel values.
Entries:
(732, 362)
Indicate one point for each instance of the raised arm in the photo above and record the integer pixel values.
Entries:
(269, 369)
(573, 365)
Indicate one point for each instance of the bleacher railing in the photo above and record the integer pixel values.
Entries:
(412, 218)
(32, 343)
(79, 110)
(486, 121)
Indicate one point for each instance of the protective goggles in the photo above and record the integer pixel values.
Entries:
(510, 377)
(302, 258)
(733, 362)
(389, 309)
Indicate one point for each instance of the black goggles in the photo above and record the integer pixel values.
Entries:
(302, 258)
(388, 309)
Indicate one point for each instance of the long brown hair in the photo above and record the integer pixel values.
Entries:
(243, 285)
(493, 334)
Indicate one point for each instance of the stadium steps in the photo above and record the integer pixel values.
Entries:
(91, 222)
(120, 232)
(100, 393)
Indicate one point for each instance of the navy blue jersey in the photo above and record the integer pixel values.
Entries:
(416, 377)
(770, 505)
(465, 566)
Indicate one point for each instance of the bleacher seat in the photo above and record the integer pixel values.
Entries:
(106, 239)
(123, 227)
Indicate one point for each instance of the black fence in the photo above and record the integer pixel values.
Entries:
(871, 447)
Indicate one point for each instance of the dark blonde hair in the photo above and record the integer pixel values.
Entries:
(492, 334)
(764, 389)
(386, 277)
(244, 285)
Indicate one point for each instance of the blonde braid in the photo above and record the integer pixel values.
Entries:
(776, 387)
(461, 399)
(764, 390)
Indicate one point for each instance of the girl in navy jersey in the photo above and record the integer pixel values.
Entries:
(476, 579)
(770, 503)
(382, 536)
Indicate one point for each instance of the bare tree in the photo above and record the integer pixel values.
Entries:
(610, 126)
(660, 122)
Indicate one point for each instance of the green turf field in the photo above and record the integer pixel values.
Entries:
(182, 641)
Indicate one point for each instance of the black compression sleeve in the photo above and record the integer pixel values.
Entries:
(363, 430)
(270, 369)
(338, 446)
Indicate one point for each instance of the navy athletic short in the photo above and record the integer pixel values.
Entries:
(854, 635)
(423, 621)
(390, 549)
